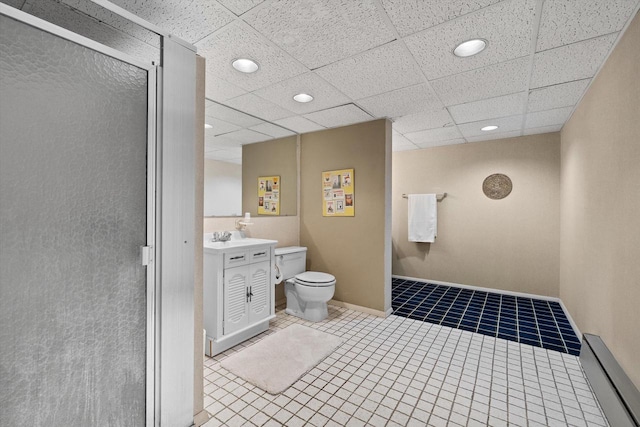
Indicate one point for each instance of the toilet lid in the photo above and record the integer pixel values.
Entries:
(315, 278)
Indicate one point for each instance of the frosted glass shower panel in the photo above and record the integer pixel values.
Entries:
(93, 21)
(73, 212)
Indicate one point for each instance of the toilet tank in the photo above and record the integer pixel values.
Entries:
(290, 260)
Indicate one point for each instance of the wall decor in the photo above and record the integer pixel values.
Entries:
(338, 193)
(497, 186)
(269, 195)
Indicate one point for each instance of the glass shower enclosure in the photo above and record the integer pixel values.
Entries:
(81, 227)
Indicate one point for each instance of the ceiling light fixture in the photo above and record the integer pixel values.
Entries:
(245, 65)
(470, 48)
(303, 97)
(207, 126)
(488, 128)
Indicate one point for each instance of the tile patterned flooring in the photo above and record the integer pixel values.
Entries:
(530, 321)
(404, 372)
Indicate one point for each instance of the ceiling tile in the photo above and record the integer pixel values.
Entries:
(400, 143)
(403, 101)
(423, 120)
(556, 96)
(432, 144)
(240, 6)
(572, 62)
(502, 135)
(501, 106)
(257, 106)
(239, 40)
(507, 27)
(545, 129)
(487, 82)
(505, 124)
(324, 95)
(319, 33)
(272, 130)
(219, 90)
(299, 124)
(233, 155)
(190, 20)
(433, 135)
(568, 21)
(339, 116)
(230, 115)
(219, 126)
(410, 16)
(375, 71)
(219, 142)
(212, 155)
(548, 118)
(246, 136)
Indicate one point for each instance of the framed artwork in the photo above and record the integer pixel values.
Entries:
(338, 193)
(269, 195)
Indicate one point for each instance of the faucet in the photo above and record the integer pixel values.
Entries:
(218, 237)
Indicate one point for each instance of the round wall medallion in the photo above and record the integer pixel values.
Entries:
(497, 186)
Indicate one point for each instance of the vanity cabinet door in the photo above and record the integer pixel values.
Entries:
(260, 275)
(236, 310)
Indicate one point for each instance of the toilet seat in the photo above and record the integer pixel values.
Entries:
(315, 278)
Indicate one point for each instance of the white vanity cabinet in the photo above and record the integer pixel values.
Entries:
(239, 281)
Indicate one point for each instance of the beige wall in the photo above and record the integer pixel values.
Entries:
(509, 244)
(600, 206)
(274, 157)
(350, 248)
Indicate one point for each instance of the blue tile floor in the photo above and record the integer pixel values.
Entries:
(530, 321)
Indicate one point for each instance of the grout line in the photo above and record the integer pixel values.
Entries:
(536, 319)
(499, 315)
(482, 312)
(466, 308)
(558, 328)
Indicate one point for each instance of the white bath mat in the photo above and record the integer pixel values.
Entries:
(277, 361)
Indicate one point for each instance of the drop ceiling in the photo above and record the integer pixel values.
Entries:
(368, 59)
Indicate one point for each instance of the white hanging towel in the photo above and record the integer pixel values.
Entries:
(423, 218)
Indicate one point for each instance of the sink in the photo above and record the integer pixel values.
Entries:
(236, 242)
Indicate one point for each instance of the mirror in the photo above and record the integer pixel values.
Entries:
(268, 150)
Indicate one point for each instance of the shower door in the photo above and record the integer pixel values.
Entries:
(75, 191)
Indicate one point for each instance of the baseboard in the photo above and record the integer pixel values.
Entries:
(500, 291)
(201, 418)
(617, 395)
(574, 325)
(360, 308)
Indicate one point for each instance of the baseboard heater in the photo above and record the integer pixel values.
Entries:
(617, 395)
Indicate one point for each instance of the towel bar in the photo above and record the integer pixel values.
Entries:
(439, 196)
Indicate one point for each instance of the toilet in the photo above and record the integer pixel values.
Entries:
(307, 292)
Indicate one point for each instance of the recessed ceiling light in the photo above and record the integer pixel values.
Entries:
(488, 128)
(470, 48)
(303, 97)
(245, 65)
(207, 126)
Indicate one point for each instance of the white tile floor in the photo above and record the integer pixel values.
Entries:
(402, 372)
